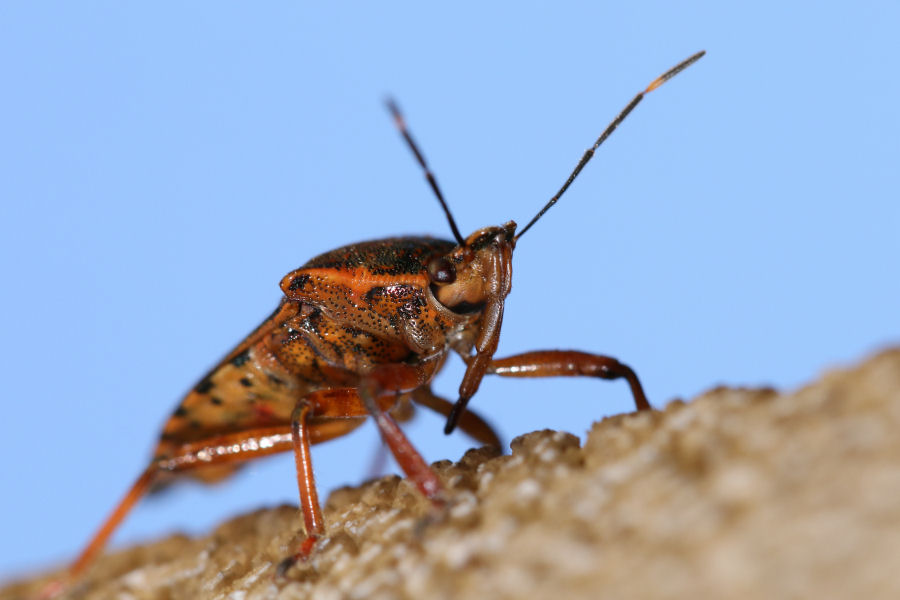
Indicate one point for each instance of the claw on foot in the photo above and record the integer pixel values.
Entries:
(284, 566)
(301, 555)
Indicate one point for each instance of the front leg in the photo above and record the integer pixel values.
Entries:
(563, 363)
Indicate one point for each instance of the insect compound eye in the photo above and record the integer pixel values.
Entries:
(441, 271)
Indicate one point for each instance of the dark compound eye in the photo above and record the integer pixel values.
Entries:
(441, 271)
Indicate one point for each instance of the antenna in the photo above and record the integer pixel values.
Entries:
(589, 154)
(400, 122)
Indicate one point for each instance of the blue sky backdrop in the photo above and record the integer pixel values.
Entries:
(163, 165)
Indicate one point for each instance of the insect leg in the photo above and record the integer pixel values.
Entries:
(406, 455)
(311, 414)
(327, 406)
(140, 487)
(135, 493)
(306, 483)
(470, 422)
(569, 363)
(565, 363)
(403, 412)
(379, 384)
(219, 450)
(308, 418)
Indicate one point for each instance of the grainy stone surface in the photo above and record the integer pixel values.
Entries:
(737, 494)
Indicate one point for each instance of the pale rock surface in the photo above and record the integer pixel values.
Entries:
(737, 494)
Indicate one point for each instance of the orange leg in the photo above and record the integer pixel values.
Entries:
(349, 402)
(306, 484)
(312, 421)
(326, 405)
(560, 363)
(409, 459)
(232, 448)
(317, 408)
(135, 493)
(403, 412)
(382, 384)
(471, 423)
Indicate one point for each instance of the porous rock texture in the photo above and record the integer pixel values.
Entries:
(740, 493)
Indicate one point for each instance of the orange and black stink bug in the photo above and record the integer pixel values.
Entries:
(360, 332)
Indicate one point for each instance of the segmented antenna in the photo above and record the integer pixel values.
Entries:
(589, 154)
(401, 125)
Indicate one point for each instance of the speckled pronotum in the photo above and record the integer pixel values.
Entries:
(360, 332)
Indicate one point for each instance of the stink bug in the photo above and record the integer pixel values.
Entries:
(361, 331)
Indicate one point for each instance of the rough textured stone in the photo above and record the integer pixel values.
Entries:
(737, 494)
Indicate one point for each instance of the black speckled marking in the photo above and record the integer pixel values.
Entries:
(204, 386)
(353, 331)
(217, 401)
(180, 411)
(392, 256)
(275, 379)
(195, 424)
(241, 359)
(246, 382)
(298, 282)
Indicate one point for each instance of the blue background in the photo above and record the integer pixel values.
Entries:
(161, 167)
